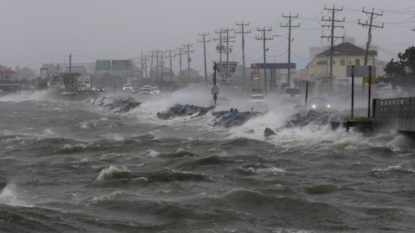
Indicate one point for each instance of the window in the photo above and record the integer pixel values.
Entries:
(322, 63)
(342, 62)
(357, 62)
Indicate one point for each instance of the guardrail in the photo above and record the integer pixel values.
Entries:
(395, 108)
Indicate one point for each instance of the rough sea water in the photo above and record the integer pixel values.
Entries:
(74, 166)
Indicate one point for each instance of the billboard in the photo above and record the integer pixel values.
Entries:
(255, 76)
(103, 65)
(121, 64)
(43, 73)
(223, 68)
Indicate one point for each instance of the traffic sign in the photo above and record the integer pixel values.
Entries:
(103, 65)
(121, 64)
(215, 90)
(372, 80)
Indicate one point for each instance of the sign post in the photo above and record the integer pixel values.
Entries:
(215, 89)
(352, 91)
(370, 85)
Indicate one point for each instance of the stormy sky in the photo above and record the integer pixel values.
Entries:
(47, 31)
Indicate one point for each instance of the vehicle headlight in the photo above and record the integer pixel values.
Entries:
(314, 106)
(328, 105)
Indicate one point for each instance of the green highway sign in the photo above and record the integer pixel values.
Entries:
(103, 65)
(121, 64)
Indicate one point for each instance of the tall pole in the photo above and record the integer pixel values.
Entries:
(157, 65)
(264, 39)
(372, 15)
(161, 66)
(142, 65)
(227, 30)
(187, 46)
(151, 66)
(369, 94)
(70, 70)
(352, 91)
(333, 20)
(220, 48)
(180, 59)
(171, 66)
(204, 52)
(289, 26)
(242, 25)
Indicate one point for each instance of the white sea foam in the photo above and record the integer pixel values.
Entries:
(9, 197)
(394, 168)
(272, 170)
(87, 124)
(149, 153)
(106, 197)
(25, 96)
(47, 132)
(110, 172)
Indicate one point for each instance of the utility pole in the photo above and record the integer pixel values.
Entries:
(204, 51)
(333, 20)
(70, 64)
(142, 65)
(70, 70)
(242, 31)
(161, 65)
(372, 15)
(171, 65)
(145, 65)
(180, 59)
(188, 51)
(151, 66)
(264, 39)
(289, 26)
(220, 48)
(227, 30)
(157, 64)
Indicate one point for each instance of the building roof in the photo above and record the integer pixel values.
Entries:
(347, 49)
(7, 72)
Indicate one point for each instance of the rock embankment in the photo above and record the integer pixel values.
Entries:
(117, 105)
(226, 119)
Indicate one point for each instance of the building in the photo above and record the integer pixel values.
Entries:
(344, 54)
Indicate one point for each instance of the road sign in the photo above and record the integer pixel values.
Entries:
(215, 90)
(121, 64)
(103, 65)
(361, 71)
(372, 80)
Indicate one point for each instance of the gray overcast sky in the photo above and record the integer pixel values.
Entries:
(45, 31)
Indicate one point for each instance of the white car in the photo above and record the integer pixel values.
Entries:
(291, 95)
(155, 90)
(127, 87)
(258, 101)
(145, 91)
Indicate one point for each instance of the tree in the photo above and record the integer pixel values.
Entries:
(401, 73)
